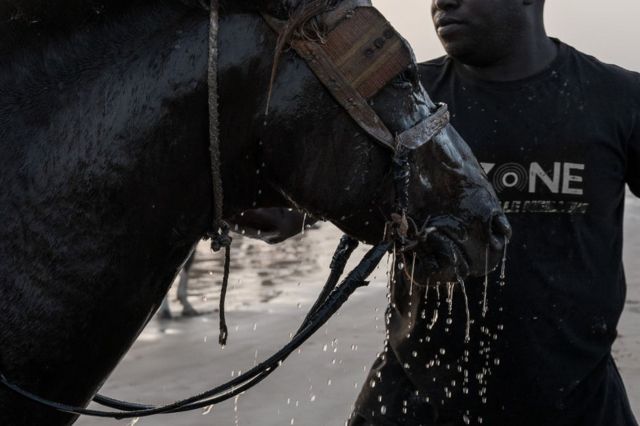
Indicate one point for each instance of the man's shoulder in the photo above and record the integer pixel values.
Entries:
(608, 75)
(434, 65)
(432, 70)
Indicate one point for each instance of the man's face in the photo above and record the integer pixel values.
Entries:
(479, 32)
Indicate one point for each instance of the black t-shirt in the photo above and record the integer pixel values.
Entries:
(558, 147)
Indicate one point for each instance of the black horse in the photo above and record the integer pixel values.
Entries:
(106, 175)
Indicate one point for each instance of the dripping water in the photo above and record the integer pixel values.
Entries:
(467, 331)
(485, 307)
(450, 287)
(434, 319)
(413, 268)
(503, 267)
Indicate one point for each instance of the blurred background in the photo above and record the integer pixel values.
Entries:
(608, 30)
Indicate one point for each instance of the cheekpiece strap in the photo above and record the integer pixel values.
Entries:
(424, 131)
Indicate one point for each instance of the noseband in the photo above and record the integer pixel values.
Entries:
(359, 55)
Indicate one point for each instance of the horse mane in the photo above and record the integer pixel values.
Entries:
(296, 24)
(62, 13)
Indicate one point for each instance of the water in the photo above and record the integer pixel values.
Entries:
(467, 331)
(434, 318)
(485, 306)
(413, 267)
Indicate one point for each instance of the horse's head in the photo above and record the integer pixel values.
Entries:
(314, 154)
(454, 215)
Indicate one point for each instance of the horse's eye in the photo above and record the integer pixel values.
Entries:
(406, 79)
(401, 81)
(411, 74)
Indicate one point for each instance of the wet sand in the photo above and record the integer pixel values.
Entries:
(271, 289)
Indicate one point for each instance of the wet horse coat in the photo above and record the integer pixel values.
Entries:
(106, 175)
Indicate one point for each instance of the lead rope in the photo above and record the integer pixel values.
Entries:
(219, 233)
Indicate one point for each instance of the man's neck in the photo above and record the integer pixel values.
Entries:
(530, 56)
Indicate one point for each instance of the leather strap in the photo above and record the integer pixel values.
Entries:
(424, 131)
(320, 61)
(346, 95)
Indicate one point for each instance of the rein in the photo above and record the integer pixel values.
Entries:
(348, 19)
(315, 319)
(219, 233)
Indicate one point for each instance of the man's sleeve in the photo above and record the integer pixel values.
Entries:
(632, 172)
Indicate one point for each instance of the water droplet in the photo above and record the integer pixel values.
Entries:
(467, 331)
(383, 409)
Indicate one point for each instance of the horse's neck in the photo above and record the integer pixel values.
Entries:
(105, 184)
(70, 13)
(65, 15)
(246, 56)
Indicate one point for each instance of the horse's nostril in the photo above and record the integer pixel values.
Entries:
(500, 226)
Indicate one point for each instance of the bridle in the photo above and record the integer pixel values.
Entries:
(359, 55)
(339, 62)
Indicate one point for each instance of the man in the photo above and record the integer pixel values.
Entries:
(558, 133)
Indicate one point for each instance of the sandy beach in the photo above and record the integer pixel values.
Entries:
(271, 290)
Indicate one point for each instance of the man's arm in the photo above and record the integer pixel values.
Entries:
(632, 173)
